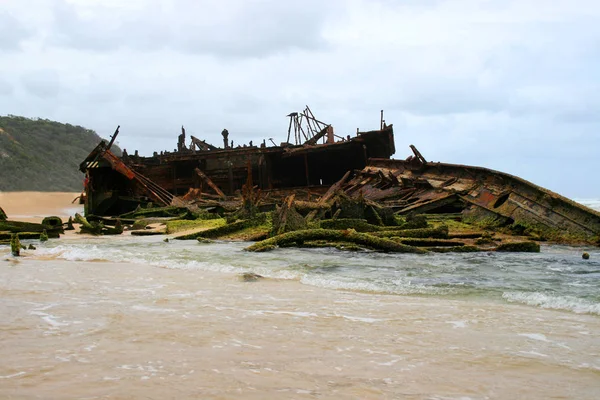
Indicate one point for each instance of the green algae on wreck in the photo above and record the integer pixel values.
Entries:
(370, 241)
(523, 247)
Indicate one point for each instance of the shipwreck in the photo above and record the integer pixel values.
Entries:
(315, 162)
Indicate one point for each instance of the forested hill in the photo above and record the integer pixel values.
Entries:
(43, 155)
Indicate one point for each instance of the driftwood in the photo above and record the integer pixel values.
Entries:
(331, 235)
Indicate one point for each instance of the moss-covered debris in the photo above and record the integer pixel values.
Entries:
(18, 227)
(180, 225)
(524, 247)
(224, 230)
(351, 236)
(427, 242)
(6, 236)
(15, 245)
(359, 225)
(441, 232)
(286, 218)
(170, 211)
(54, 222)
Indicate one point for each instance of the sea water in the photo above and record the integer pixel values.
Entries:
(556, 278)
(138, 317)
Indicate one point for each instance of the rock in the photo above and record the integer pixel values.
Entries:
(31, 247)
(586, 256)
(44, 236)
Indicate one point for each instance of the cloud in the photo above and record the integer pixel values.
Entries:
(224, 29)
(510, 85)
(42, 83)
(6, 89)
(12, 32)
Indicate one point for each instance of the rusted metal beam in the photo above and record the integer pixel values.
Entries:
(113, 138)
(209, 182)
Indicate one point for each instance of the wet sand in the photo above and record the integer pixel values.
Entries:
(34, 206)
(100, 330)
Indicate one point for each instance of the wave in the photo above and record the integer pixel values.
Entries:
(566, 303)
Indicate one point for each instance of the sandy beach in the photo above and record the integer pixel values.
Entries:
(34, 206)
(127, 317)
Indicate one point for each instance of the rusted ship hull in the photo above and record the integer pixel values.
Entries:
(118, 185)
(418, 186)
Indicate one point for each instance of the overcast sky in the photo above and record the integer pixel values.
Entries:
(503, 84)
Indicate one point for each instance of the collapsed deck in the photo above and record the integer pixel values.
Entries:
(477, 194)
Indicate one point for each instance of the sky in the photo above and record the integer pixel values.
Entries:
(511, 85)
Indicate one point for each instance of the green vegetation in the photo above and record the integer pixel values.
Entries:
(43, 155)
